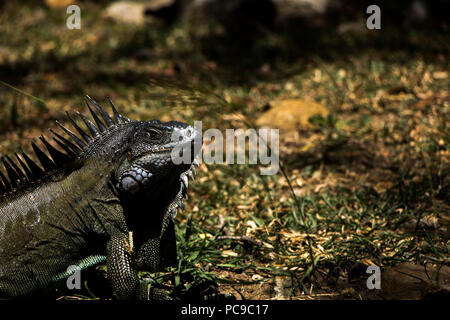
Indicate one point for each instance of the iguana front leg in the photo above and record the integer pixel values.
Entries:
(123, 276)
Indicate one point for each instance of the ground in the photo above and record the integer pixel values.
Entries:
(367, 183)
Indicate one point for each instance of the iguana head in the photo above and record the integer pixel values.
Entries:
(148, 155)
(153, 159)
(158, 154)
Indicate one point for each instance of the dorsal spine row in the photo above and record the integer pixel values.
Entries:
(26, 170)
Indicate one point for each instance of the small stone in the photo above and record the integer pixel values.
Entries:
(56, 4)
(126, 12)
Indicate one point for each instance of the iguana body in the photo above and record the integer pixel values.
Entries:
(110, 196)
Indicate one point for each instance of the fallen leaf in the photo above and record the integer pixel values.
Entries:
(291, 114)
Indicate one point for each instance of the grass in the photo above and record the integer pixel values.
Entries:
(370, 181)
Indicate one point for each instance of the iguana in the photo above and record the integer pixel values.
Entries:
(108, 195)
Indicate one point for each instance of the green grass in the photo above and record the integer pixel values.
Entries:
(351, 181)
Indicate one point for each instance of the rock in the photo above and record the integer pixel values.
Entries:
(302, 8)
(139, 12)
(283, 287)
(57, 4)
(291, 114)
(410, 281)
(261, 11)
(430, 223)
(5, 54)
(405, 281)
(126, 12)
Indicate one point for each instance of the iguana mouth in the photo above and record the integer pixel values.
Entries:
(160, 149)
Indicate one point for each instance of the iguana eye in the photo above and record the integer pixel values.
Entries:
(153, 134)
